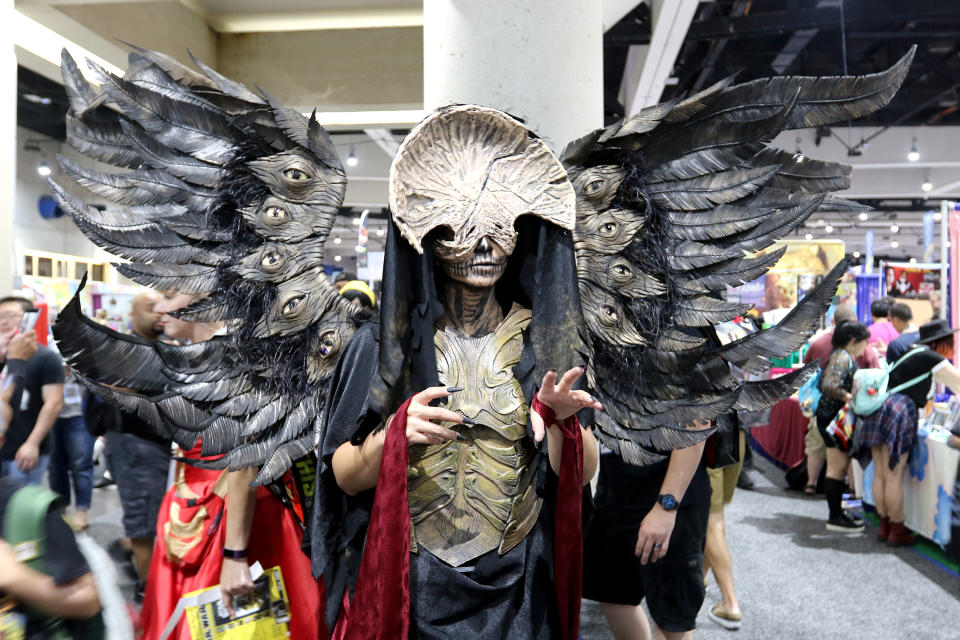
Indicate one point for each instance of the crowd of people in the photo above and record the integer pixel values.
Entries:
(651, 521)
(917, 359)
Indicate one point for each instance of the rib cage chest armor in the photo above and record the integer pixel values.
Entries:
(468, 498)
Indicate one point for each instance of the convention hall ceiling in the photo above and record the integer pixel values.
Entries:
(367, 57)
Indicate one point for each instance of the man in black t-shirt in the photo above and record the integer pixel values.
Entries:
(138, 458)
(24, 453)
(66, 590)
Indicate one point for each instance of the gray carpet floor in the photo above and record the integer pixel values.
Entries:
(795, 580)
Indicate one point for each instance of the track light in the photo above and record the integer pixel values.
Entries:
(894, 228)
(829, 229)
(44, 169)
(337, 241)
(864, 216)
(352, 158)
(856, 254)
(927, 185)
(914, 154)
(809, 236)
(337, 258)
(894, 244)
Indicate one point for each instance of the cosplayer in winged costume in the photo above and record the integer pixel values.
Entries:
(451, 461)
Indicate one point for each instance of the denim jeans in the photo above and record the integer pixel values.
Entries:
(71, 454)
(9, 469)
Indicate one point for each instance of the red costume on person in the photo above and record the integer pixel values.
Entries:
(187, 555)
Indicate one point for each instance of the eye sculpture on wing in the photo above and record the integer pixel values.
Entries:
(299, 303)
(332, 336)
(280, 261)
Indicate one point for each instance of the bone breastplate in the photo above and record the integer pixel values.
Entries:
(468, 498)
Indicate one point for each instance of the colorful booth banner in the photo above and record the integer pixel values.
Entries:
(904, 280)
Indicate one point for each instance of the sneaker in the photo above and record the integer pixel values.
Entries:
(744, 481)
(727, 620)
(845, 524)
(80, 520)
(854, 517)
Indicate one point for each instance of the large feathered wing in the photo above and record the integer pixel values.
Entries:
(672, 206)
(218, 192)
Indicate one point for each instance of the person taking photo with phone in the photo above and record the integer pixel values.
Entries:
(25, 450)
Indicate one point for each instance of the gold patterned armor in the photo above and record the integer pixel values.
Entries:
(468, 498)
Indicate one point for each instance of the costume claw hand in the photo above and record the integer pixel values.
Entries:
(422, 427)
(562, 398)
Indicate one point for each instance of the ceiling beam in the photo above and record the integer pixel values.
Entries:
(857, 12)
(385, 140)
(40, 36)
(313, 20)
(648, 67)
(615, 10)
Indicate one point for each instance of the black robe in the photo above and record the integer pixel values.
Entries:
(509, 596)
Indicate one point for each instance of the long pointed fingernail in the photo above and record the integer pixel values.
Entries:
(460, 438)
(468, 421)
(454, 389)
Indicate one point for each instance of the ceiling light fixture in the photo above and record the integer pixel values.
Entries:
(352, 158)
(914, 154)
(381, 233)
(44, 169)
(864, 216)
(937, 217)
(809, 236)
(337, 241)
(34, 98)
(894, 228)
(913, 261)
(894, 244)
(356, 222)
(856, 254)
(337, 258)
(927, 185)
(829, 229)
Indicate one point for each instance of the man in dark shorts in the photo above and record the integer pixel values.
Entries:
(25, 450)
(138, 459)
(646, 540)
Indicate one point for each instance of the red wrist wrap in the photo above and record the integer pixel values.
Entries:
(549, 415)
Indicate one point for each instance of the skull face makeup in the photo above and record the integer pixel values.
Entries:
(475, 170)
(480, 268)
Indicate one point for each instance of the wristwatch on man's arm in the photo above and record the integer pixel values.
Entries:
(668, 502)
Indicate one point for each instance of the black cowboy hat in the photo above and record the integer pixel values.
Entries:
(934, 330)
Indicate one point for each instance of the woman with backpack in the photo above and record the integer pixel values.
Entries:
(849, 341)
(887, 435)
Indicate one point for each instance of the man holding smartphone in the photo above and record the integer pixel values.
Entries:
(24, 453)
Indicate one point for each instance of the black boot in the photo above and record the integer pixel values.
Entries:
(839, 520)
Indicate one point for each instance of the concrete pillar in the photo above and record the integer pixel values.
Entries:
(8, 149)
(539, 61)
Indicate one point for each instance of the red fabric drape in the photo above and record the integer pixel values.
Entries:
(383, 585)
(568, 542)
(568, 532)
